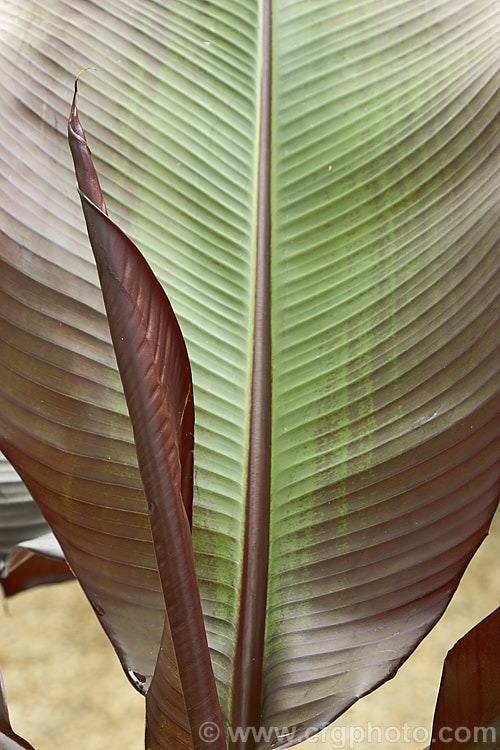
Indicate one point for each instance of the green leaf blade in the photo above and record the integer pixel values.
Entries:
(383, 232)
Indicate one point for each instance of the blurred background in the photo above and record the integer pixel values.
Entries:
(66, 688)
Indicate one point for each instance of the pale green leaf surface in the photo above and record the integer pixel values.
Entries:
(386, 276)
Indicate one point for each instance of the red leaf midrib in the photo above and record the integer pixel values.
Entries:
(247, 685)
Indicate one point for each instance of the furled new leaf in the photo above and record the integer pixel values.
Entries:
(156, 376)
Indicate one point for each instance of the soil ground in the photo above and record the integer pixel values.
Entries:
(66, 689)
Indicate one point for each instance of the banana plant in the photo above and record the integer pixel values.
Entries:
(313, 186)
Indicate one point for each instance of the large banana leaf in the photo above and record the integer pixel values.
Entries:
(317, 197)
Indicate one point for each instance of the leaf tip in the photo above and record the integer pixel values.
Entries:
(83, 70)
(88, 182)
(75, 92)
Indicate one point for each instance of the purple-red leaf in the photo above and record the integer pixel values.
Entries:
(156, 376)
(167, 724)
(468, 706)
(28, 569)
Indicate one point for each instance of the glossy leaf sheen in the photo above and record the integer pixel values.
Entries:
(469, 695)
(384, 283)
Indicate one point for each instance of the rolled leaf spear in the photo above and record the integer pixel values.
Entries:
(156, 376)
